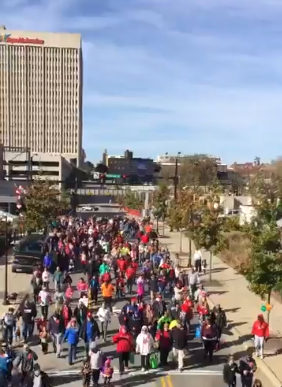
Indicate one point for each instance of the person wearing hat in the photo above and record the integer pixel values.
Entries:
(145, 346)
(124, 341)
(179, 344)
(26, 361)
(57, 329)
(96, 358)
(260, 331)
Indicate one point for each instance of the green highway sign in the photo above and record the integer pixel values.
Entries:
(109, 176)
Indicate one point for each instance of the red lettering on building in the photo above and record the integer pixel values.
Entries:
(24, 41)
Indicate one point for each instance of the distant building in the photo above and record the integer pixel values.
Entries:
(1, 161)
(167, 163)
(18, 167)
(41, 81)
(129, 166)
(245, 169)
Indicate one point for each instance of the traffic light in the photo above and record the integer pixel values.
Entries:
(124, 178)
(103, 178)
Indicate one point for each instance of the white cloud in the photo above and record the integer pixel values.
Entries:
(201, 76)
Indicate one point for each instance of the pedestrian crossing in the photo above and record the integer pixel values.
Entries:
(157, 372)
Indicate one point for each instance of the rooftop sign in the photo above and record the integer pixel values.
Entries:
(6, 38)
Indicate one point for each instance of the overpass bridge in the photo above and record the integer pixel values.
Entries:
(114, 190)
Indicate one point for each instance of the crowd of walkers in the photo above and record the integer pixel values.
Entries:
(120, 260)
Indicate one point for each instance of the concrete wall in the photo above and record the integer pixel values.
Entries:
(1, 161)
(62, 169)
(234, 202)
(246, 213)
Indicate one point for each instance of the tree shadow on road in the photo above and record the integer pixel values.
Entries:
(57, 380)
(195, 358)
(125, 380)
(232, 310)
(136, 380)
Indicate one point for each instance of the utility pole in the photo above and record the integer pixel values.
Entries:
(176, 178)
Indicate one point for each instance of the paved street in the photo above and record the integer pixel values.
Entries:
(153, 379)
(198, 373)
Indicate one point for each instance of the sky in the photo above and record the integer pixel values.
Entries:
(189, 76)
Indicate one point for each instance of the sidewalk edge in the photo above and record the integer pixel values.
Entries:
(261, 364)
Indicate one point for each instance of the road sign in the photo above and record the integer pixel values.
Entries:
(96, 175)
(110, 176)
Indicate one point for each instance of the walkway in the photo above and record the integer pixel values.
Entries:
(230, 290)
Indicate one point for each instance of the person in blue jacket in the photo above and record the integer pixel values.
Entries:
(72, 337)
(47, 261)
(4, 367)
(91, 331)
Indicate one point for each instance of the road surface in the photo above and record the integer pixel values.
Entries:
(197, 373)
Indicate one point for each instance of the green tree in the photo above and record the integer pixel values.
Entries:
(161, 202)
(197, 171)
(205, 224)
(130, 199)
(264, 269)
(43, 203)
(207, 230)
(182, 215)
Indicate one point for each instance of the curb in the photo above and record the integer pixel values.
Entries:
(261, 363)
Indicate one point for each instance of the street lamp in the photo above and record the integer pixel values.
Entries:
(176, 178)
(5, 297)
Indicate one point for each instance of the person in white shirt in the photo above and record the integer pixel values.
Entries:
(177, 271)
(198, 261)
(84, 300)
(44, 300)
(145, 346)
(104, 316)
(200, 294)
(46, 277)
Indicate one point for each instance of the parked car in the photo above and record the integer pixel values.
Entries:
(26, 263)
(88, 209)
(28, 253)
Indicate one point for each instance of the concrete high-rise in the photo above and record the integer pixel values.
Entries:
(41, 83)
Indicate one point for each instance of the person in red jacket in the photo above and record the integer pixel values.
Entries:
(203, 309)
(120, 285)
(164, 341)
(105, 278)
(82, 287)
(130, 275)
(122, 264)
(134, 264)
(119, 239)
(260, 331)
(124, 341)
(145, 239)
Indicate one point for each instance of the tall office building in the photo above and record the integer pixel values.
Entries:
(41, 82)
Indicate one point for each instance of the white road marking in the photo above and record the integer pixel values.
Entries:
(139, 372)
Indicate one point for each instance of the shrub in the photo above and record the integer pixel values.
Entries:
(236, 254)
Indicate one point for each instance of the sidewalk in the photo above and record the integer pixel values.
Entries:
(230, 290)
(17, 283)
